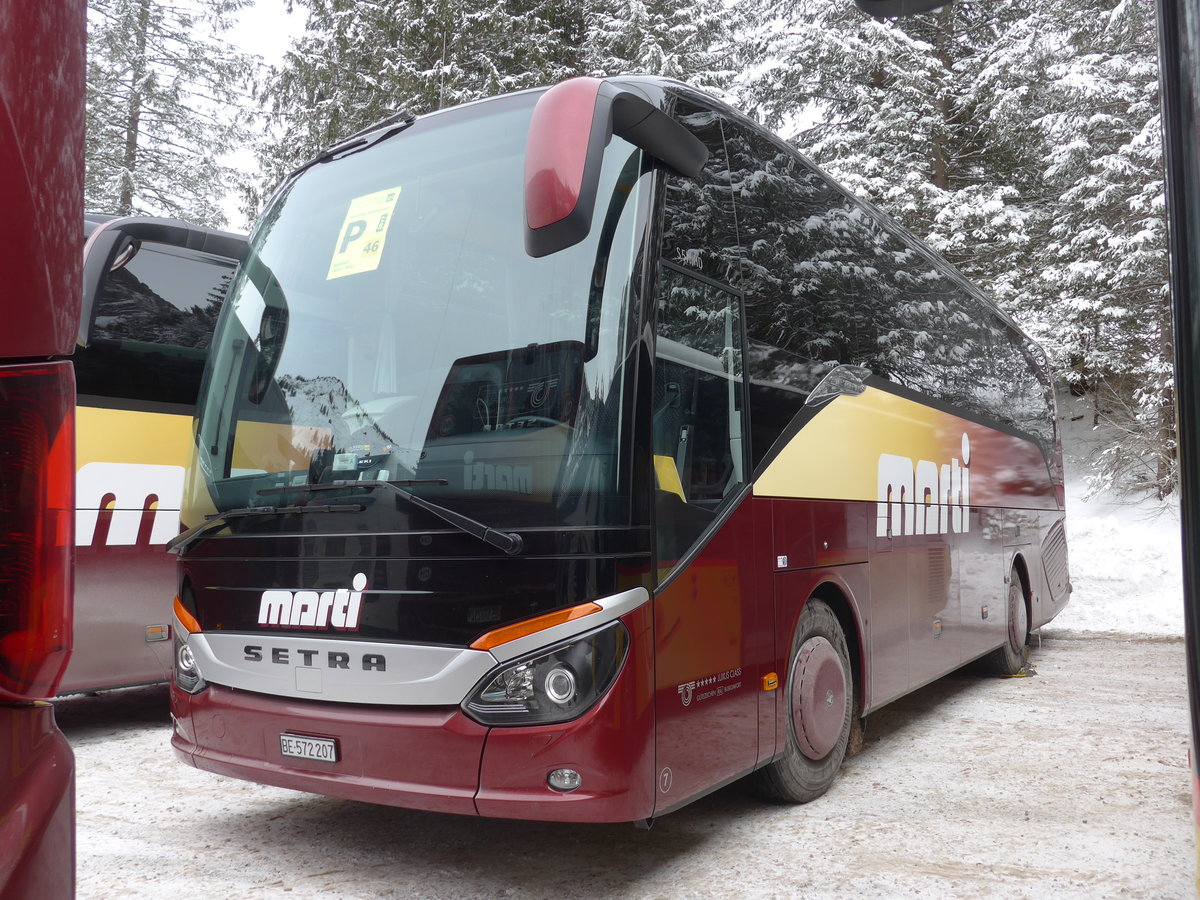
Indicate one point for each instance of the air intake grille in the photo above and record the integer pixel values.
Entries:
(1054, 559)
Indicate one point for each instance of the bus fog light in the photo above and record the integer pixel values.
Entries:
(560, 686)
(557, 684)
(564, 780)
(187, 661)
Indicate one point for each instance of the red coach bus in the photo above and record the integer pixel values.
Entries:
(41, 180)
(569, 454)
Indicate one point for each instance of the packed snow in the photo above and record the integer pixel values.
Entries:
(1125, 552)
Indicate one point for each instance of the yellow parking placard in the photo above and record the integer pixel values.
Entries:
(360, 240)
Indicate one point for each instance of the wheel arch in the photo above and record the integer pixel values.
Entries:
(839, 599)
(1021, 567)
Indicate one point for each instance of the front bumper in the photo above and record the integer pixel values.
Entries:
(436, 758)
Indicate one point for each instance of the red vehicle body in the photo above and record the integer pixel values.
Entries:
(582, 520)
(41, 173)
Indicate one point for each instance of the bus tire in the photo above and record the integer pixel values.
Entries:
(1010, 657)
(819, 700)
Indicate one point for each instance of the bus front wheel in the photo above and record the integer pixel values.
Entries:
(1009, 658)
(819, 702)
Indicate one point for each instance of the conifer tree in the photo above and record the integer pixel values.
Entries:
(690, 40)
(358, 62)
(1105, 258)
(914, 116)
(164, 101)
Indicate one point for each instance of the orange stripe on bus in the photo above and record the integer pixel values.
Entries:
(186, 619)
(532, 626)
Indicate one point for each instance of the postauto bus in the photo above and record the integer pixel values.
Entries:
(142, 342)
(569, 454)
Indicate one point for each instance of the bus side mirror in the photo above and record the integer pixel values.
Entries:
(890, 9)
(571, 126)
(115, 242)
(272, 332)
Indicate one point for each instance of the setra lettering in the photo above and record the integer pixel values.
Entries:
(335, 659)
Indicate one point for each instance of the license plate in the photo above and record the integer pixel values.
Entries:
(300, 746)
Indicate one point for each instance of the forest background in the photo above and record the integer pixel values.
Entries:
(1021, 139)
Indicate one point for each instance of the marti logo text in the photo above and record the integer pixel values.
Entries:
(923, 497)
(309, 609)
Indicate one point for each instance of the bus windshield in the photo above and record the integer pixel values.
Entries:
(387, 325)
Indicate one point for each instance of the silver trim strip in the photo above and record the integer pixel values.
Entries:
(413, 674)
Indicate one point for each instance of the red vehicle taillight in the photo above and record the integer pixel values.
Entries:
(37, 526)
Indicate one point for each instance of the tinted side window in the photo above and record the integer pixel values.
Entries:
(153, 326)
(1028, 392)
(941, 343)
(699, 231)
(780, 382)
(699, 382)
(815, 287)
(827, 281)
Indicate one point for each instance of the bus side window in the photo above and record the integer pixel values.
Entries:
(780, 382)
(699, 397)
(153, 324)
(810, 274)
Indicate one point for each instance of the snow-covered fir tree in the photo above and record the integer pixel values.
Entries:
(916, 116)
(357, 62)
(691, 40)
(1105, 258)
(165, 98)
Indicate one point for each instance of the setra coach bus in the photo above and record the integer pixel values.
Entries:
(569, 454)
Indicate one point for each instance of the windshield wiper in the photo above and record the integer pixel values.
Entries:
(507, 541)
(373, 134)
(181, 542)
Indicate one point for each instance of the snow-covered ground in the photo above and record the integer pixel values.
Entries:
(1073, 784)
(1125, 555)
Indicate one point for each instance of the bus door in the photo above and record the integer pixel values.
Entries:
(710, 618)
(889, 649)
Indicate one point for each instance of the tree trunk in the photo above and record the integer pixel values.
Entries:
(133, 119)
(939, 166)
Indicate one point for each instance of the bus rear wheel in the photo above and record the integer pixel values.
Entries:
(819, 700)
(1009, 658)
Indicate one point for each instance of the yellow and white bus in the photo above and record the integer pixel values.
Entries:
(141, 353)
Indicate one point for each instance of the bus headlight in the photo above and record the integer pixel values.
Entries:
(187, 671)
(555, 685)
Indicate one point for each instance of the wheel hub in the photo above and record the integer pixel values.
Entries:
(1018, 622)
(818, 698)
